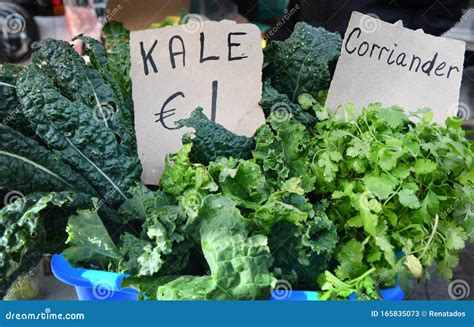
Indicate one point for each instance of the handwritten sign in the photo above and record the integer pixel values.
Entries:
(215, 65)
(382, 62)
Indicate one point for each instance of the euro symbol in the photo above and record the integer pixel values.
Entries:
(163, 114)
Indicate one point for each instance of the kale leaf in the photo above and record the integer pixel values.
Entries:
(23, 235)
(211, 140)
(29, 167)
(305, 62)
(279, 104)
(85, 143)
(239, 265)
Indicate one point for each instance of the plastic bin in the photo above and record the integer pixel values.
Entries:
(391, 294)
(92, 285)
(96, 285)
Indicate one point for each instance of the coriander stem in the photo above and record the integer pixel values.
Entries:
(433, 232)
(393, 194)
(367, 273)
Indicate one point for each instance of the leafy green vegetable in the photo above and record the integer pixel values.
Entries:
(392, 184)
(99, 59)
(180, 174)
(343, 204)
(241, 181)
(282, 151)
(117, 43)
(10, 107)
(22, 233)
(139, 253)
(280, 211)
(211, 140)
(29, 167)
(142, 203)
(287, 204)
(85, 143)
(64, 128)
(303, 251)
(8, 76)
(90, 242)
(239, 265)
(279, 105)
(80, 83)
(140, 257)
(305, 62)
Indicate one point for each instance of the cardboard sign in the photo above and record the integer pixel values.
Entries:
(215, 65)
(382, 62)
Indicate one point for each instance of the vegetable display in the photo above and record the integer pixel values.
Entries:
(64, 129)
(340, 203)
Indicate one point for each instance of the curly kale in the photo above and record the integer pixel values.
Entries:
(239, 264)
(304, 251)
(26, 233)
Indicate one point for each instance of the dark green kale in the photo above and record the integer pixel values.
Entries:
(274, 102)
(211, 140)
(29, 167)
(303, 63)
(10, 107)
(80, 139)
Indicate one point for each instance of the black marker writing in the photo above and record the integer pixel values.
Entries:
(173, 53)
(394, 56)
(201, 55)
(231, 45)
(163, 114)
(215, 85)
(148, 57)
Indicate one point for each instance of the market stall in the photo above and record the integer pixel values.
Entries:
(185, 162)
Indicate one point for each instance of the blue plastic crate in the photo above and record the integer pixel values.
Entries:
(92, 285)
(96, 285)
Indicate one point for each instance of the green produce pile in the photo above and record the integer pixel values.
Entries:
(339, 203)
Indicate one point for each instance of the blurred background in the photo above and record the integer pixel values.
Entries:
(23, 22)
